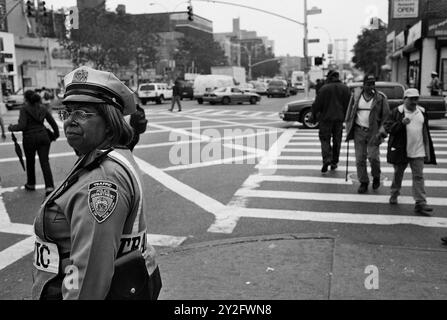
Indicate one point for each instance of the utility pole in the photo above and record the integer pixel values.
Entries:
(305, 51)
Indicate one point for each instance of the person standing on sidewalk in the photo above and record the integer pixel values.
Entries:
(367, 112)
(435, 84)
(330, 109)
(2, 111)
(410, 143)
(176, 95)
(36, 139)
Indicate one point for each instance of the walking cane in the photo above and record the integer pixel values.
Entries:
(347, 162)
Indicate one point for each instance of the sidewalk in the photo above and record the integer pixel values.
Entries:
(300, 267)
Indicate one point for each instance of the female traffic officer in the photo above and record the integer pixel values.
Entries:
(97, 214)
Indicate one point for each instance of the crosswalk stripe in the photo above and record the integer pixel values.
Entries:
(316, 158)
(436, 145)
(336, 197)
(339, 217)
(340, 168)
(343, 150)
(255, 180)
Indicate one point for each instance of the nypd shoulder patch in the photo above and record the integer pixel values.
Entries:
(102, 199)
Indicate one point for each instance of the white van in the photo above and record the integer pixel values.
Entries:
(297, 80)
(210, 82)
(157, 92)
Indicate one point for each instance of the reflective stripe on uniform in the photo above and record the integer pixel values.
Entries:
(120, 158)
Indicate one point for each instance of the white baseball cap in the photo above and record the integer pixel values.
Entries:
(434, 73)
(411, 93)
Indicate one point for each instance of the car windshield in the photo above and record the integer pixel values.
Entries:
(276, 84)
(147, 87)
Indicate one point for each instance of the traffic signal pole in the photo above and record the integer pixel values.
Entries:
(305, 51)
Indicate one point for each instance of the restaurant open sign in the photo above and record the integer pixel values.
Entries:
(405, 9)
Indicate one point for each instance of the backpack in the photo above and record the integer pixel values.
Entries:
(138, 120)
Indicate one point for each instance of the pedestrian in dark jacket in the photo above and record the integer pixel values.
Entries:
(330, 109)
(36, 139)
(367, 112)
(176, 95)
(410, 143)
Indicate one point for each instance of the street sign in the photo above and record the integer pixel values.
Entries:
(313, 40)
(314, 10)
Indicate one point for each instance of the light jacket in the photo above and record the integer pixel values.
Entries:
(95, 216)
(397, 143)
(380, 111)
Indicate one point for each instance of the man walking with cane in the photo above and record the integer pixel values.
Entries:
(367, 112)
(330, 109)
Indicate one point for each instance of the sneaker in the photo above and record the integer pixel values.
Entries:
(171, 110)
(334, 166)
(376, 183)
(30, 187)
(324, 168)
(393, 200)
(363, 188)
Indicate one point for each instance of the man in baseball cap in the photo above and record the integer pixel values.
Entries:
(410, 143)
(94, 86)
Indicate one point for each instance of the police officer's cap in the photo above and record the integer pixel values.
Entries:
(94, 86)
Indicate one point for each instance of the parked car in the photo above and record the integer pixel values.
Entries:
(300, 110)
(229, 95)
(187, 90)
(157, 92)
(278, 88)
(14, 100)
(247, 87)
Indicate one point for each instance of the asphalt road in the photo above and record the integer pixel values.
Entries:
(221, 172)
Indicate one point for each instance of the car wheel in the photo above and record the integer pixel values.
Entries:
(143, 101)
(253, 100)
(212, 103)
(200, 101)
(226, 100)
(305, 120)
(160, 100)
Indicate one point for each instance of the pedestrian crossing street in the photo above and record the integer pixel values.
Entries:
(295, 189)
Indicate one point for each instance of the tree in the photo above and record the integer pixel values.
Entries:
(203, 52)
(370, 51)
(108, 40)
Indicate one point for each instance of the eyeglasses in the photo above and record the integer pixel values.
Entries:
(75, 115)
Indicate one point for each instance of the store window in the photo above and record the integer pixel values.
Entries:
(413, 74)
(444, 74)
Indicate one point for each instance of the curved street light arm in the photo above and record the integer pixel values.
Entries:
(257, 9)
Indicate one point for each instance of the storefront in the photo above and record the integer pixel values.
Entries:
(437, 29)
(413, 51)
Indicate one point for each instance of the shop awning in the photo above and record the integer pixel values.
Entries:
(416, 45)
(398, 54)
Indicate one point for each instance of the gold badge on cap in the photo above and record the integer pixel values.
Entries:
(80, 76)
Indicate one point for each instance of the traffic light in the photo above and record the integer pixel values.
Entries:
(30, 8)
(41, 8)
(190, 14)
(318, 61)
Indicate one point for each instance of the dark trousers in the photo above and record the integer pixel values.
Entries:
(331, 130)
(176, 99)
(39, 143)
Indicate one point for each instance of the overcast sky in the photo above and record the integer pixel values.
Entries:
(341, 18)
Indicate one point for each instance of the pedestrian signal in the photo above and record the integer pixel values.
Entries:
(318, 61)
(190, 14)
